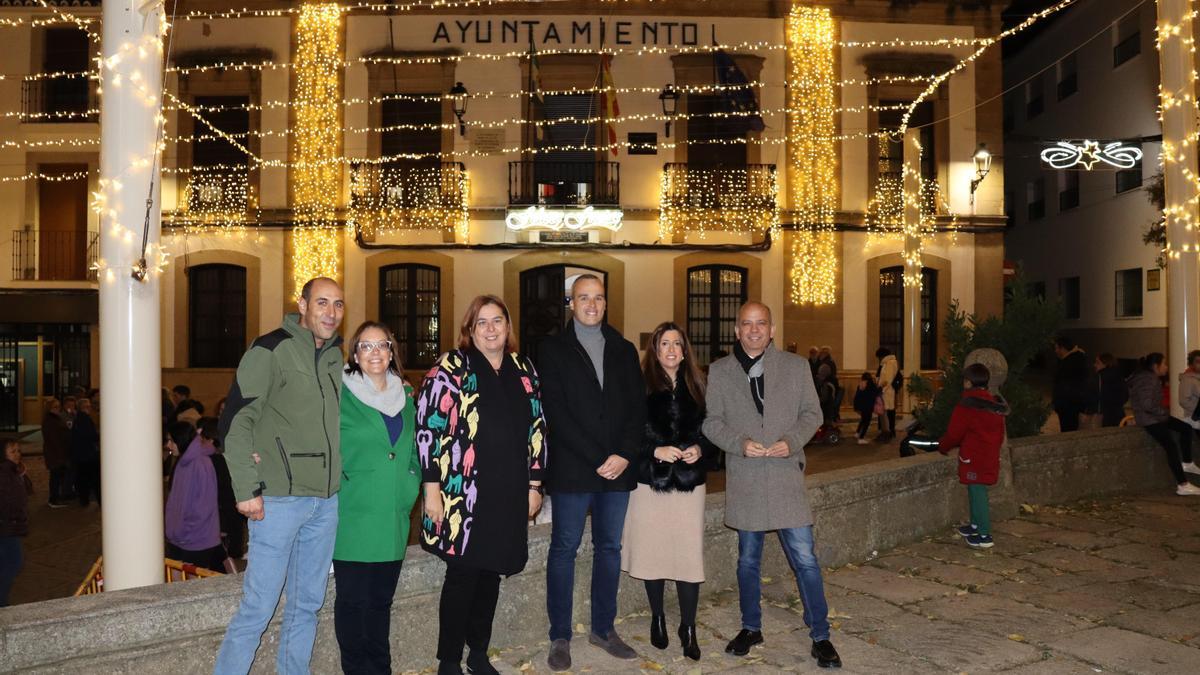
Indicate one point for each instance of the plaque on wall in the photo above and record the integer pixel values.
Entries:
(563, 237)
(488, 141)
(643, 143)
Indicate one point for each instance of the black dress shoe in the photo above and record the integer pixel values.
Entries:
(826, 655)
(687, 637)
(658, 631)
(740, 645)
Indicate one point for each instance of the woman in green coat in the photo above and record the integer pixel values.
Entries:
(380, 477)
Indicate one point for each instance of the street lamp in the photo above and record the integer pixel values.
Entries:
(458, 98)
(983, 164)
(670, 103)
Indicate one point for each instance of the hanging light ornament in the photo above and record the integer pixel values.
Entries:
(812, 155)
(317, 172)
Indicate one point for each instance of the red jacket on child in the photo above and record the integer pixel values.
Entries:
(977, 430)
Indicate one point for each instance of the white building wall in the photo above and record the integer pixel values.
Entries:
(1104, 233)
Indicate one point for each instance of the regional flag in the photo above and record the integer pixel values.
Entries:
(736, 90)
(609, 100)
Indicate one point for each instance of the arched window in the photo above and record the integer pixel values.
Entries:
(714, 294)
(216, 315)
(410, 304)
(891, 314)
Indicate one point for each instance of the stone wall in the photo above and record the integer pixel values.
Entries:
(178, 628)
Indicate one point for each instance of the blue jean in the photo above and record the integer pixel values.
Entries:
(291, 550)
(798, 547)
(608, 521)
(10, 565)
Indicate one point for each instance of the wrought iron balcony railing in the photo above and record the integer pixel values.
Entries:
(408, 196)
(54, 255)
(557, 183)
(739, 198)
(60, 100)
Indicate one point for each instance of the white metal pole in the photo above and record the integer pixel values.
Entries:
(912, 257)
(130, 375)
(1179, 159)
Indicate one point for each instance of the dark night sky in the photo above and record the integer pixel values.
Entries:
(1019, 10)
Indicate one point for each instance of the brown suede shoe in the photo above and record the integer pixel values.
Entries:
(559, 658)
(613, 644)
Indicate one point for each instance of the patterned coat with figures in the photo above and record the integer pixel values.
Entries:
(481, 436)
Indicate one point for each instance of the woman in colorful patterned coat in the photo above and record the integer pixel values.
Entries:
(481, 445)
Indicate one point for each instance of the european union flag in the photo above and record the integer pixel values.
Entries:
(737, 92)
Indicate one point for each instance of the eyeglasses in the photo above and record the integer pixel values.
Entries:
(368, 347)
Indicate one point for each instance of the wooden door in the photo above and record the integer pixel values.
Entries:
(62, 224)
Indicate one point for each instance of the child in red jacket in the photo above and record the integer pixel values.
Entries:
(977, 430)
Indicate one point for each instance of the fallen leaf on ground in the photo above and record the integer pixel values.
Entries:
(1016, 637)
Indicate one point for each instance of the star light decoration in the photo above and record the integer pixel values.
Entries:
(1066, 155)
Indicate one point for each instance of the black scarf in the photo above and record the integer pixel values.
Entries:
(754, 373)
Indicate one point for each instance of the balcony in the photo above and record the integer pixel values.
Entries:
(555, 183)
(60, 100)
(54, 255)
(216, 198)
(408, 196)
(698, 198)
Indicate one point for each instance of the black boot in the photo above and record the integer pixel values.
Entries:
(478, 663)
(449, 668)
(658, 631)
(691, 648)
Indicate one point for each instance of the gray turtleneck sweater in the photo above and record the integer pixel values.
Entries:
(592, 339)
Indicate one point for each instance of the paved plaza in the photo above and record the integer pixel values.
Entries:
(1109, 586)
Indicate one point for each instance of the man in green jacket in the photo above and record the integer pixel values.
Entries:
(281, 435)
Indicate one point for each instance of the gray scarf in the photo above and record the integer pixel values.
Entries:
(390, 401)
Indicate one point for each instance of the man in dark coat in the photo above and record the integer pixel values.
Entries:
(1071, 393)
(85, 453)
(594, 400)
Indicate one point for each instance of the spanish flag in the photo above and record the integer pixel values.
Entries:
(609, 100)
(535, 89)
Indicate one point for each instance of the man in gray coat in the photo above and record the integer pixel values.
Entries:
(762, 409)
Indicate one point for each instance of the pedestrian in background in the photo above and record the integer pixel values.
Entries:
(977, 430)
(380, 479)
(56, 447)
(664, 526)
(887, 375)
(864, 404)
(15, 488)
(1112, 394)
(1148, 398)
(1069, 396)
(1189, 390)
(85, 453)
(193, 527)
(481, 440)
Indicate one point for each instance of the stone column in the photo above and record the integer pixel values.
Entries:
(912, 256)
(130, 374)
(1179, 155)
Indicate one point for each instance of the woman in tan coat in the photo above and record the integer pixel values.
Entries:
(664, 525)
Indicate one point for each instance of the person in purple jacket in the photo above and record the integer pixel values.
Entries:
(192, 523)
